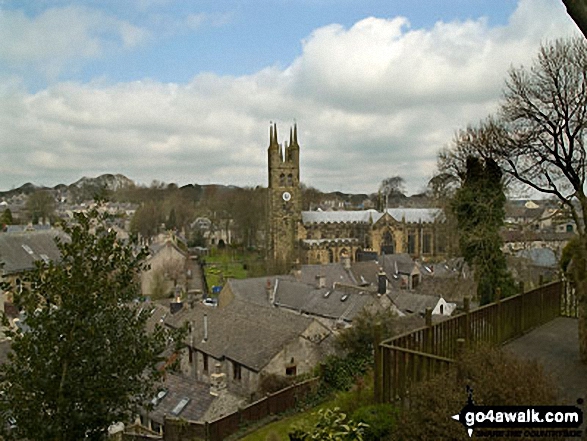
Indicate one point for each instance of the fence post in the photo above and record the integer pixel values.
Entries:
(428, 317)
(499, 321)
(460, 351)
(378, 362)
(467, 307)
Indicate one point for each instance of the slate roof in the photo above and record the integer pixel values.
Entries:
(241, 332)
(397, 264)
(179, 387)
(366, 216)
(338, 304)
(319, 217)
(19, 251)
(543, 257)
(415, 214)
(366, 272)
(409, 302)
(333, 273)
(303, 297)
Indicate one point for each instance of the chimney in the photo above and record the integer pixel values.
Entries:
(381, 283)
(217, 381)
(320, 281)
(175, 305)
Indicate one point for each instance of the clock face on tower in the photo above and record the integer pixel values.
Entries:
(286, 196)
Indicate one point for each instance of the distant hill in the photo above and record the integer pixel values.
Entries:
(107, 181)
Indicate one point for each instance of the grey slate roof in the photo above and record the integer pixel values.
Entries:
(333, 273)
(366, 273)
(363, 216)
(324, 302)
(19, 251)
(242, 332)
(179, 387)
(414, 214)
(408, 302)
(303, 297)
(397, 264)
(366, 216)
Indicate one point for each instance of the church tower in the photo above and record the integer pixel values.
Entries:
(284, 200)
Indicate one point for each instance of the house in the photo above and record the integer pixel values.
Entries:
(333, 305)
(402, 271)
(184, 397)
(168, 269)
(407, 303)
(249, 342)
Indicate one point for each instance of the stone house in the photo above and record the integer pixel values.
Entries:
(249, 342)
(168, 265)
(184, 397)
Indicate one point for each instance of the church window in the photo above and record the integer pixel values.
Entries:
(411, 243)
(205, 362)
(426, 243)
(290, 180)
(282, 180)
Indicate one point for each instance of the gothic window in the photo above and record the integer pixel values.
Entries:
(330, 256)
(411, 243)
(426, 243)
(282, 180)
(388, 244)
(290, 180)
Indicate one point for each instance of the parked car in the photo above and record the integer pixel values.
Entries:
(209, 301)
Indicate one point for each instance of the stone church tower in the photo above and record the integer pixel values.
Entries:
(284, 201)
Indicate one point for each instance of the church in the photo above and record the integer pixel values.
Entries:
(316, 237)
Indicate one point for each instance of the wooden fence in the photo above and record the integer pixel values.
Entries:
(420, 354)
(178, 430)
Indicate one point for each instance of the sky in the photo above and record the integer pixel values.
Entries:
(184, 91)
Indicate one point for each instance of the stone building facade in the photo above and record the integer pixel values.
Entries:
(313, 237)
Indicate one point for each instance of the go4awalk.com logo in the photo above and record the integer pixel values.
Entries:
(514, 421)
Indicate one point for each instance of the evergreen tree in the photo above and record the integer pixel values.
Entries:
(6, 218)
(85, 360)
(479, 206)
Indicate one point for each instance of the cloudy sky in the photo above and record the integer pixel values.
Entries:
(184, 91)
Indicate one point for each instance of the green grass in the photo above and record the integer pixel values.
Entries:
(228, 264)
(278, 430)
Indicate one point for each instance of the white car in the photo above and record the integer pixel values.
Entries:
(209, 301)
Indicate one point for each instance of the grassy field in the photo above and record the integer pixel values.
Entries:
(230, 263)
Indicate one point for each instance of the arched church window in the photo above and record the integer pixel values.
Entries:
(290, 180)
(282, 180)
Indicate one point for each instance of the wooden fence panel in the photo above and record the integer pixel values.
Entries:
(422, 353)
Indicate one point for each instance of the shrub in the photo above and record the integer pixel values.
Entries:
(379, 418)
(496, 377)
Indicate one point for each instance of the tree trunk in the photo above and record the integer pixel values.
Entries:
(580, 292)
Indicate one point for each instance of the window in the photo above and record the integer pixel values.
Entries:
(411, 243)
(426, 243)
(290, 371)
(205, 362)
(236, 371)
(282, 180)
(290, 180)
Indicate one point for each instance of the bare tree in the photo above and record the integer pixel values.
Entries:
(544, 117)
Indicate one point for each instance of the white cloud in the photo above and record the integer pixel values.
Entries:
(372, 101)
(58, 36)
